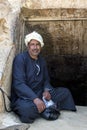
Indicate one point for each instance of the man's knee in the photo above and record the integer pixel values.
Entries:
(29, 115)
(62, 93)
(26, 119)
(66, 91)
(63, 90)
(27, 112)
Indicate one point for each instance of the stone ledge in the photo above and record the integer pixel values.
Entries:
(54, 14)
(55, 4)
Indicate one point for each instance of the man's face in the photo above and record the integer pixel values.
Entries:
(34, 48)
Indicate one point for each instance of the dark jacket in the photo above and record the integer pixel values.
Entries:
(28, 81)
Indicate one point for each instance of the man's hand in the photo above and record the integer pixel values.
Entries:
(40, 105)
(46, 95)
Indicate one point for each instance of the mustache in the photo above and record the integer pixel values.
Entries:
(35, 49)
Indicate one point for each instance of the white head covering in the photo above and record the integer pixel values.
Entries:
(34, 35)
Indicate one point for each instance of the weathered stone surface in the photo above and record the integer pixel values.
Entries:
(4, 32)
(53, 14)
(7, 53)
(9, 11)
(21, 126)
(41, 4)
(4, 8)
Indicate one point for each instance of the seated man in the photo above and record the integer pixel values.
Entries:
(30, 82)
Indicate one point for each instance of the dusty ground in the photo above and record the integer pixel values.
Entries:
(67, 120)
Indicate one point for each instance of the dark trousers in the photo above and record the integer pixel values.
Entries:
(27, 110)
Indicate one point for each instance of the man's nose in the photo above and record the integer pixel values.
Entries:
(35, 46)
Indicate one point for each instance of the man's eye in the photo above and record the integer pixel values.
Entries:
(32, 44)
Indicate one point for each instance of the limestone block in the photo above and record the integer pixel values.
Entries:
(53, 14)
(4, 8)
(4, 32)
(41, 4)
(7, 54)
(9, 11)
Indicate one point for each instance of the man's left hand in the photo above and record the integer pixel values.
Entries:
(46, 95)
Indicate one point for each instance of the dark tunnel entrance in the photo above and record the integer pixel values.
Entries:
(70, 71)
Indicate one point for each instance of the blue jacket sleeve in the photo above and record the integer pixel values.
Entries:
(19, 80)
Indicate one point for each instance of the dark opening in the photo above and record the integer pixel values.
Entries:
(69, 71)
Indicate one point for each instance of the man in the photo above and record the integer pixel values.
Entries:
(31, 82)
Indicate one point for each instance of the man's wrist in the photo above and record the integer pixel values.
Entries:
(36, 99)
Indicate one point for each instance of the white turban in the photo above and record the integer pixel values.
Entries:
(34, 35)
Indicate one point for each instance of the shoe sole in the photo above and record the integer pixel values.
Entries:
(22, 126)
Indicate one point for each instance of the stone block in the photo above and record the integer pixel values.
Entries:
(6, 60)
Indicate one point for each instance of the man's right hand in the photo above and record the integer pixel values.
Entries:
(40, 104)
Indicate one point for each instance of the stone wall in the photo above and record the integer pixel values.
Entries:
(9, 11)
(41, 4)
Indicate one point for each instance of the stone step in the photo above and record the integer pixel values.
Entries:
(21, 126)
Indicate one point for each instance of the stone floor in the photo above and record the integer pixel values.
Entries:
(67, 120)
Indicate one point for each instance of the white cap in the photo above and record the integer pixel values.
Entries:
(34, 35)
